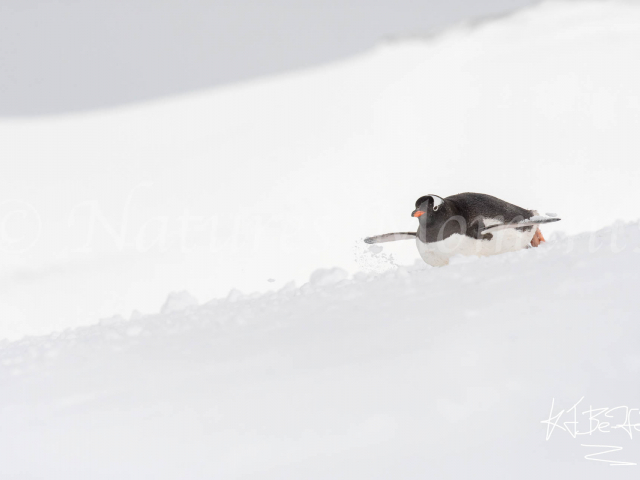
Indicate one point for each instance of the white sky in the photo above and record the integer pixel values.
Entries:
(70, 55)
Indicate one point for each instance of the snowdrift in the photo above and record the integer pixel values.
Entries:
(419, 373)
(522, 365)
(252, 186)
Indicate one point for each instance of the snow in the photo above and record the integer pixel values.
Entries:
(177, 301)
(110, 211)
(537, 218)
(377, 365)
(418, 372)
(325, 276)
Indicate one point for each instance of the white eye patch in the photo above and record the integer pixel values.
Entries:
(437, 201)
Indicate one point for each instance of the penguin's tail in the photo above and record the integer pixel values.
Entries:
(391, 237)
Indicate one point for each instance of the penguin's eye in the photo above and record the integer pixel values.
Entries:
(435, 208)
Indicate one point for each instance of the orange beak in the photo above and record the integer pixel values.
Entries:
(417, 213)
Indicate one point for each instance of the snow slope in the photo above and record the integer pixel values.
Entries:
(252, 186)
(416, 373)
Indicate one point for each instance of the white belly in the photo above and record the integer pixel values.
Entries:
(508, 240)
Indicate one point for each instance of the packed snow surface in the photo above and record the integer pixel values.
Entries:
(255, 185)
(418, 372)
(135, 236)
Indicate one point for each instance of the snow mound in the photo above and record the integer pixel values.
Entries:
(414, 373)
(177, 301)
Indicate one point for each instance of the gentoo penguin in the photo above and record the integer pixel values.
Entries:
(469, 224)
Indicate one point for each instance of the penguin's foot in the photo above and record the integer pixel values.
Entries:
(537, 238)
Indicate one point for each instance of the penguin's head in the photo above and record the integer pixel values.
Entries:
(428, 208)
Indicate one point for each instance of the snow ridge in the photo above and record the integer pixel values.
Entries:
(465, 356)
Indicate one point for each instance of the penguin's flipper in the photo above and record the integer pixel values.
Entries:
(529, 222)
(391, 237)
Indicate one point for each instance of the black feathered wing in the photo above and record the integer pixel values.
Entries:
(527, 222)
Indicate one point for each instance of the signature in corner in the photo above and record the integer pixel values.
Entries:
(601, 420)
(612, 448)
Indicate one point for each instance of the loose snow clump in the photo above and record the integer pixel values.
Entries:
(178, 301)
(322, 276)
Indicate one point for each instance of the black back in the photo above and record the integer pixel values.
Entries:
(463, 214)
(472, 205)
